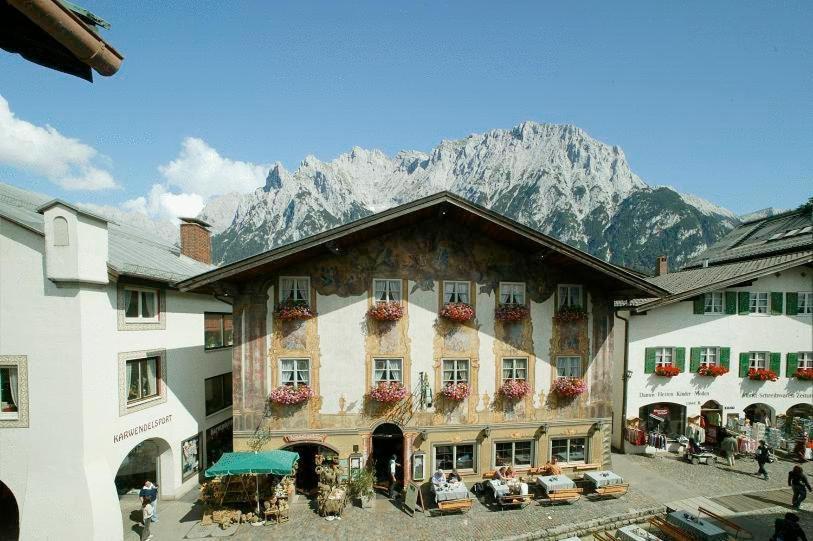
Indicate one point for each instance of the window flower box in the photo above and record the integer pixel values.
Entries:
(667, 371)
(511, 312)
(455, 391)
(712, 371)
(288, 395)
(514, 389)
(457, 311)
(762, 374)
(570, 313)
(388, 392)
(386, 311)
(569, 387)
(288, 310)
(803, 373)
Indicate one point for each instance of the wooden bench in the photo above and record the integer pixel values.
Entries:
(612, 491)
(562, 496)
(586, 467)
(671, 530)
(455, 505)
(515, 499)
(604, 536)
(738, 530)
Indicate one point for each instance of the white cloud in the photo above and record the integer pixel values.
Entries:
(65, 161)
(160, 203)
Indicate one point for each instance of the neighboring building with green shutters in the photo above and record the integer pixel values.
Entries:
(734, 338)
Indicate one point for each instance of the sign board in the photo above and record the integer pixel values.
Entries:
(411, 498)
(661, 412)
(307, 438)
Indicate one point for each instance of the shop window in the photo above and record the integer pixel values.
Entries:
(569, 450)
(455, 292)
(295, 372)
(758, 360)
(758, 303)
(143, 377)
(217, 330)
(570, 296)
(713, 303)
(804, 360)
(140, 305)
(569, 367)
(512, 293)
(9, 393)
(387, 370)
(295, 288)
(709, 356)
(218, 393)
(664, 356)
(454, 457)
(517, 454)
(514, 368)
(61, 237)
(455, 371)
(387, 290)
(805, 305)
(219, 440)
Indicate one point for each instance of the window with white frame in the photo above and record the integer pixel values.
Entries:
(569, 450)
(295, 288)
(758, 360)
(758, 303)
(143, 378)
(9, 392)
(664, 356)
(454, 457)
(295, 372)
(514, 368)
(517, 454)
(387, 370)
(805, 360)
(386, 290)
(140, 304)
(709, 356)
(569, 367)
(713, 303)
(455, 291)
(512, 293)
(805, 303)
(455, 371)
(570, 295)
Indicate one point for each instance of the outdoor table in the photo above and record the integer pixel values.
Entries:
(604, 478)
(704, 530)
(499, 487)
(450, 491)
(635, 533)
(552, 483)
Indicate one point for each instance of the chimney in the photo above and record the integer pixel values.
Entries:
(196, 240)
(663, 265)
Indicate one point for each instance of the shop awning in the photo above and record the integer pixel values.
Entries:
(276, 462)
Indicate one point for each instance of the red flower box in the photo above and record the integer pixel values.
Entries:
(388, 392)
(293, 310)
(386, 311)
(288, 395)
(569, 387)
(514, 389)
(762, 374)
(803, 373)
(455, 391)
(457, 311)
(667, 371)
(712, 371)
(511, 312)
(570, 313)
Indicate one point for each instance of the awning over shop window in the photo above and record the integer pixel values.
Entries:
(274, 462)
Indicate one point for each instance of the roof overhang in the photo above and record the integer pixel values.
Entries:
(436, 205)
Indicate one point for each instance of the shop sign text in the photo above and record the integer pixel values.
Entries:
(149, 425)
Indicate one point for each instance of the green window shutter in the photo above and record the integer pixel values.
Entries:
(743, 365)
(730, 302)
(776, 303)
(680, 359)
(744, 302)
(694, 360)
(776, 362)
(725, 357)
(700, 304)
(792, 304)
(792, 361)
(649, 361)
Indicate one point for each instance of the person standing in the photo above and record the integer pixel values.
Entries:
(150, 490)
(729, 446)
(762, 456)
(147, 511)
(797, 480)
(393, 479)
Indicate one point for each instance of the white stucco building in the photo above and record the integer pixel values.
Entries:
(105, 379)
(743, 305)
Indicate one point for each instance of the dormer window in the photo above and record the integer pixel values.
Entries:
(60, 231)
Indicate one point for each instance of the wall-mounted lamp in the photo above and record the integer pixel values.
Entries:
(543, 429)
(424, 434)
(628, 374)
(486, 431)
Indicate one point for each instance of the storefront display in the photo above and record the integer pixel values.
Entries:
(190, 456)
(664, 418)
(218, 441)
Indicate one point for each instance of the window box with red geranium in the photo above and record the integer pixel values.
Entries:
(667, 371)
(457, 311)
(511, 312)
(386, 311)
(762, 374)
(568, 387)
(570, 313)
(288, 309)
(388, 392)
(455, 391)
(288, 395)
(803, 373)
(712, 370)
(514, 389)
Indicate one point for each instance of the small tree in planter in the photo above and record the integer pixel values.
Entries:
(667, 371)
(712, 371)
(803, 373)
(511, 312)
(287, 310)
(386, 311)
(762, 374)
(388, 392)
(288, 395)
(456, 392)
(361, 487)
(569, 387)
(457, 311)
(514, 389)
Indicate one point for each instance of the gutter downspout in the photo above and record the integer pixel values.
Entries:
(65, 27)
(624, 378)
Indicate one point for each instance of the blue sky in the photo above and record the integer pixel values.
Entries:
(714, 98)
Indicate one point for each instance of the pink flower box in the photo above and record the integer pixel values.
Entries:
(288, 395)
(569, 387)
(386, 311)
(457, 311)
(762, 374)
(514, 389)
(511, 312)
(388, 392)
(287, 310)
(455, 391)
(570, 313)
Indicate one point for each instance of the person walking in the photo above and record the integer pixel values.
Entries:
(146, 511)
(729, 447)
(393, 479)
(788, 529)
(762, 456)
(797, 480)
(150, 490)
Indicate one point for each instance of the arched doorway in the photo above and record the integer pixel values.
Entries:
(9, 515)
(667, 418)
(760, 413)
(149, 460)
(306, 477)
(388, 442)
(712, 414)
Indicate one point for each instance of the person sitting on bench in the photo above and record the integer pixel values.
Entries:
(454, 477)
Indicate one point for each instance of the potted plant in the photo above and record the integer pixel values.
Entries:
(388, 392)
(455, 391)
(570, 313)
(361, 488)
(289, 309)
(712, 371)
(511, 312)
(569, 387)
(803, 373)
(386, 311)
(762, 374)
(288, 395)
(514, 389)
(457, 311)
(667, 371)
